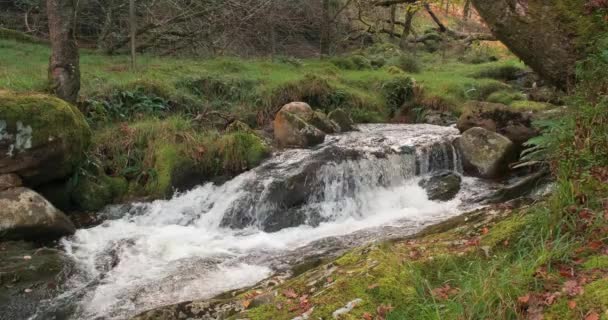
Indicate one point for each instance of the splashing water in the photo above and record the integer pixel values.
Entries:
(356, 187)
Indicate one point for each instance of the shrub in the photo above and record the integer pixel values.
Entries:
(397, 92)
(407, 63)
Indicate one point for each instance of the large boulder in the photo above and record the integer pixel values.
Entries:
(42, 138)
(485, 153)
(496, 117)
(9, 181)
(27, 215)
(292, 130)
(442, 186)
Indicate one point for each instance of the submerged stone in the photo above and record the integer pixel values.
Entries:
(442, 186)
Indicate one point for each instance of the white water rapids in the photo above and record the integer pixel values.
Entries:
(356, 187)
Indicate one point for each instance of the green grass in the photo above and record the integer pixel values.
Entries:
(249, 86)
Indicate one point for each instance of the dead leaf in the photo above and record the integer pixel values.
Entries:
(290, 293)
(330, 279)
(594, 245)
(572, 288)
(485, 230)
(444, 293)
(592, 316)
(368, 316)
(373, 286)
(414, 254)
(246, 303)
(571, 304)
(383, 310)
(524, 299)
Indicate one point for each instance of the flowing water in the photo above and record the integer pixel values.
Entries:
(355, 188)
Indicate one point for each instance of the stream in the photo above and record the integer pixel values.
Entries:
(355, 188)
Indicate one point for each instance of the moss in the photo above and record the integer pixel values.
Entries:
(595, 296)
(505, 97)
(528, 105)
(596, 262)
(504, 230)
(168, 162)
(51, 120)
(92, 193)
(241, 151)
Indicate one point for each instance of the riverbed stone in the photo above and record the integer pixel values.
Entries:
(442, 186)
(27, 215)
(485, 154)
(42, 138)
(291, 130)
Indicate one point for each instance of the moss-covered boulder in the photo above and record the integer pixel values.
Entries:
(27, 215)
(42, 138)
(291, 128)
(343, 120)
(485, 153)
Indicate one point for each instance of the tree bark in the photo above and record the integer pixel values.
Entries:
(537, 33)
(407, 26)
(325, 40)
(64, 65)
(466, 10)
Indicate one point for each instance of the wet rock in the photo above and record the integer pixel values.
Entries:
(439, 118)
(27, 215)
(42, 138)
(499, 118)
(442, 186)
(9, 181)
(522, 187)
(292, 130)
(343, 120)
(485, 153)
(28, 276)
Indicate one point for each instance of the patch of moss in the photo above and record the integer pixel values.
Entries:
(596, 262)
(241, 151)
(504, 230)
(528, 105)
(505, 97)
(51, 120)
(92, 193)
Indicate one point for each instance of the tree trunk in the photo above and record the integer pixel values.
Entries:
(133, 30)
(537, 33)
(325, 29)
(64, 66)
(466, 10)
(407, 26)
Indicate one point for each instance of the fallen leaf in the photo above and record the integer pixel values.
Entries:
(414, 254)
(383, 310)
(524, 299)
(373, 286)
(330, 280)
(290, 293)
(572, 288)
(571, 304)
(444, 293)
(368, 316)
(246, 303)
(473, 242)
(485, 230)
(592, 316)
(594, 245)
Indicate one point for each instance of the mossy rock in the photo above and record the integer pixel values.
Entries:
(323, 123)
(92, 193)
(42, 138)
(343, 120)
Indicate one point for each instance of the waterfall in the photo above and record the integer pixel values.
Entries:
(219, 237)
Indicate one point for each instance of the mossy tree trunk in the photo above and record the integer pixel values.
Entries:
(539, 32)
(64, 66)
